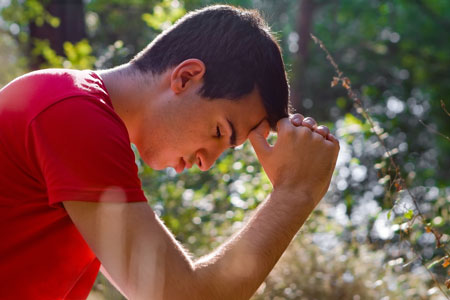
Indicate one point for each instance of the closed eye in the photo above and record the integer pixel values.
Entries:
(218, 133)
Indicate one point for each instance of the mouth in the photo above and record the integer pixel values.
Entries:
(183, 164)
(180, 166)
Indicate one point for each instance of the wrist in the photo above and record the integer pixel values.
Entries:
(294, 197)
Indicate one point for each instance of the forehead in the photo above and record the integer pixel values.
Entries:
(245, 114)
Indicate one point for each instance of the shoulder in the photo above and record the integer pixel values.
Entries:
(56, 83)
(35, 92)
(80, 114)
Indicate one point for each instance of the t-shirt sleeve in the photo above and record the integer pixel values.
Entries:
(83, 152)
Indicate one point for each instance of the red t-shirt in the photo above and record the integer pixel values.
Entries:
(60, 140)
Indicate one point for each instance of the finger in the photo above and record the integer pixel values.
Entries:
(332, 138)
(310, 123)
(337, 149)
(296, 119)
(322, 130)
(258, 138)
(283, 125)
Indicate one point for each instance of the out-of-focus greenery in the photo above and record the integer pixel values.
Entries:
(361, 242)
(76, 55)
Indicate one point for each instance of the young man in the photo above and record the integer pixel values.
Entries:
(70, 197)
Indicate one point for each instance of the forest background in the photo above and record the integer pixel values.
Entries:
(382, 231)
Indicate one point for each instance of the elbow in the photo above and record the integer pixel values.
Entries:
(220, 283)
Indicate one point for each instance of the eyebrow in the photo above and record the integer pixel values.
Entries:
(233, 134)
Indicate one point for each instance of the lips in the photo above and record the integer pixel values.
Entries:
(181, 165)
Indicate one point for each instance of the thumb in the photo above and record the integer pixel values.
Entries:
(258, 138)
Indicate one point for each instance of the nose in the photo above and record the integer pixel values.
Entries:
(206, 159)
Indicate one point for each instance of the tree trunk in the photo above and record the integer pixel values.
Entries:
(304, 26)
(71, 28)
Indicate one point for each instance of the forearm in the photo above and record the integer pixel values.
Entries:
(237, 268)
(301, 160)
(146, 261)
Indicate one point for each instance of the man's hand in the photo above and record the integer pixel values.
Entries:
(145, 261)
(303, 158)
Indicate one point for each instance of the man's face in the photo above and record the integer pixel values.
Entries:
(192, 130)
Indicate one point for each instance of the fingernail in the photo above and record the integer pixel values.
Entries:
(309, 121)
(296, 120)
(324, 129)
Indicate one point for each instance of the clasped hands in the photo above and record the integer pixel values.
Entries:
(299, 120)
(302, 159)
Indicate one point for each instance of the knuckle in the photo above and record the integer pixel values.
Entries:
(304, 132)
(289, 131)
(282, 124)
(317, 137)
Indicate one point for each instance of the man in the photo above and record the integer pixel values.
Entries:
(70, 197)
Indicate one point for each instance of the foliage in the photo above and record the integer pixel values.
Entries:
(17, 16)
(164, 14)
(317, 266)
(9, 60)
(77, 56)
(394, 182)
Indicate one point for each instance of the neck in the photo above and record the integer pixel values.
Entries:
(129, 92)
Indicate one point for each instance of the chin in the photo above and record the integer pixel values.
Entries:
(150, 160)
(152, 163)
(155, 165)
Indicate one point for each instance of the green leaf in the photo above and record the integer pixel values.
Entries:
(409, 214)
(350, 119)
(164, 14)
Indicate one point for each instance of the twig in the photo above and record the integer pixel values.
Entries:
(398, 180)
(434, 130)
(422, 261)
(444, 108)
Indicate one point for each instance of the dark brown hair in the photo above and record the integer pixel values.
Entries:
(237, 48)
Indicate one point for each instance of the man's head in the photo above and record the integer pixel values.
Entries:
(237, 49)
(209, 80)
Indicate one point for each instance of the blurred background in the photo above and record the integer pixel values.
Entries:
(366, 239)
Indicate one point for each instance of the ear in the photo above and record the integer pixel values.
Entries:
(186, 74)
